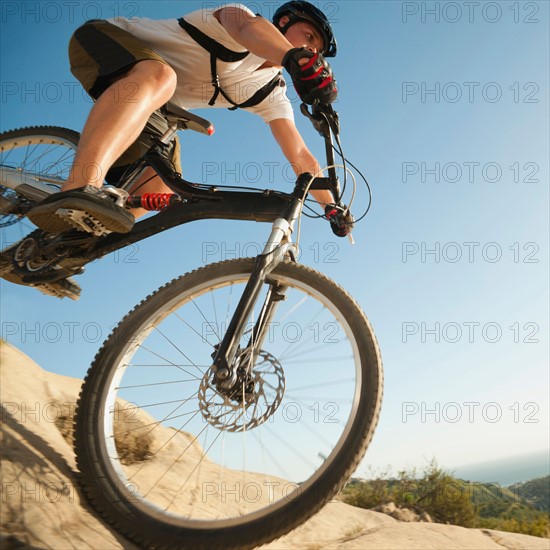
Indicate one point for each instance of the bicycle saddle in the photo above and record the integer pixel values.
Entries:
(187, 120)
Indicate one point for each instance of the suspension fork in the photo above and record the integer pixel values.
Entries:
(275, 294)
(276, 248)
(274, 252)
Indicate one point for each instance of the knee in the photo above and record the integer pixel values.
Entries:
(165, 76)
(160, 76)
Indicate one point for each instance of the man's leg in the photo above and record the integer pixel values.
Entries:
(149, 182)
(114, 123)
(117, 118)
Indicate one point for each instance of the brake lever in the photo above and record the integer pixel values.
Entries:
(332, 117)
(327, 112)
(318, 121)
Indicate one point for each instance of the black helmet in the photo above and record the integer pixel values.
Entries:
(304, 11)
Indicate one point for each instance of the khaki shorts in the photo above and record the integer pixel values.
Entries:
(100, 53)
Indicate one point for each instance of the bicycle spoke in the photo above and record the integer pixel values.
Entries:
(218, 454)
(43, 154)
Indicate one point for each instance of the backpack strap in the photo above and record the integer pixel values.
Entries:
(219, 51)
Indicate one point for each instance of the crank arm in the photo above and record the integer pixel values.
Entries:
(28, 184)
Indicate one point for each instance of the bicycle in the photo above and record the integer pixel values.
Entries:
(234, 402)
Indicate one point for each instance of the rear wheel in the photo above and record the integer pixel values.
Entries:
(172, 461)
(46, 154)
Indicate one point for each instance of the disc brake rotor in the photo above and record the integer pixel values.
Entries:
(254, 399)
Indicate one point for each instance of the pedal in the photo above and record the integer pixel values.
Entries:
(65, 288)
(83, 221)
(120, 196)
(20, 265)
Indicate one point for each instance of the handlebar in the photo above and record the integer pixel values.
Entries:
(323, 117)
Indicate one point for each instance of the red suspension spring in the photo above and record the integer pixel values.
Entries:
(157, 201)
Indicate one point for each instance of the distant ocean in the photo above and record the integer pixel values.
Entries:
(508, 470)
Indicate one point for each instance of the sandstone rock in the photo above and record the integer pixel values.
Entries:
(41, 505)
(404, 514)
(425, 517)
(388, 508)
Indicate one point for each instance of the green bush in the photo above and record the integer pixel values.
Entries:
(450, 500)
(445, 498)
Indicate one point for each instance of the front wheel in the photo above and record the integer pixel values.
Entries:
(174, 462)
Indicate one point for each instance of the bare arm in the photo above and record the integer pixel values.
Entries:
(256, 34)
(297, 153)
(262, 39)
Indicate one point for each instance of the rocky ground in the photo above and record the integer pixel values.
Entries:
(40, 505)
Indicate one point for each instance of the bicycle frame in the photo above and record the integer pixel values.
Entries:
(278, 246)
(205, 202)
(267, 206)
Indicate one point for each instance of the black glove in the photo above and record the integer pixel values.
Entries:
(340, 218)
(313, 80)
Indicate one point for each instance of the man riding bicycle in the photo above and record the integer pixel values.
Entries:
(227, 57)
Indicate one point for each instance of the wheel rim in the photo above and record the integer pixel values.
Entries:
(195, 474)
(46, 157)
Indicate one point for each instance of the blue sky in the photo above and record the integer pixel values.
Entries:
(446, 112)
